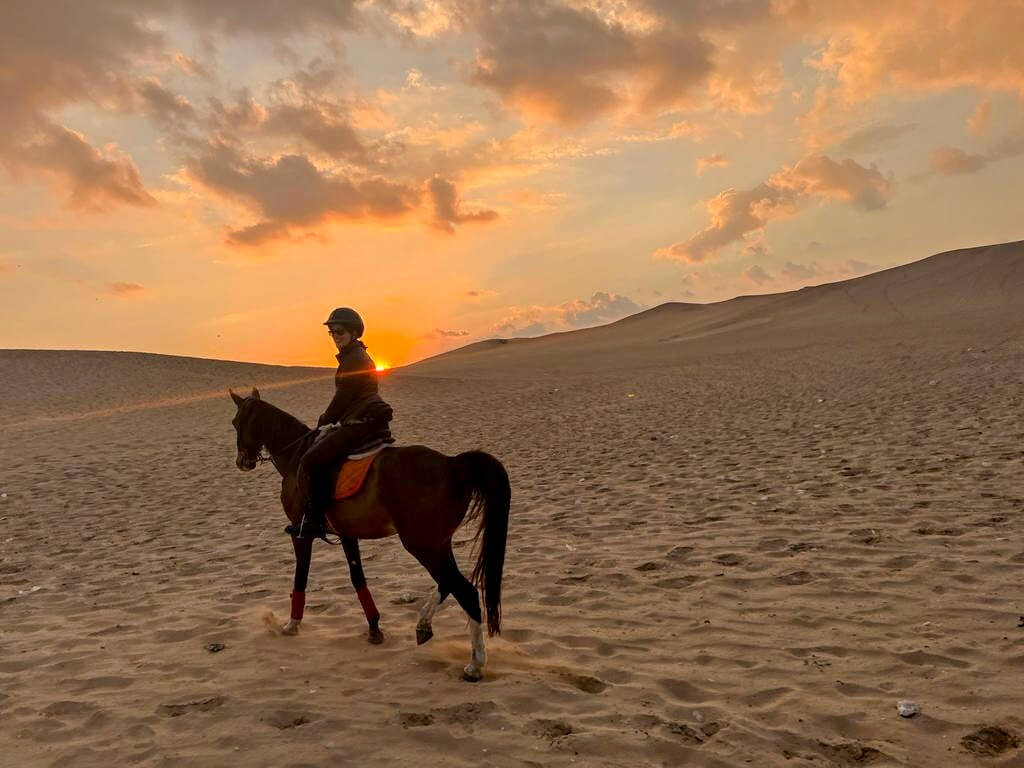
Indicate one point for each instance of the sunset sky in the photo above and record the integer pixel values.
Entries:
(212, 177)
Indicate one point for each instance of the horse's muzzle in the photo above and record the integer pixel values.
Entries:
(245, 463)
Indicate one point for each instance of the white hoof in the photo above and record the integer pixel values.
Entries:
(472, 673)
(291, 628)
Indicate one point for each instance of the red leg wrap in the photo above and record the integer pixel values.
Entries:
(368, 606)
(298, 605)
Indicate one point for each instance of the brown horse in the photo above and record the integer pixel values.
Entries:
(416, 492)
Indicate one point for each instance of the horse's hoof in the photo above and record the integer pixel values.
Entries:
(375, 636)
(472, 673)
(291, 628)
(423, 634)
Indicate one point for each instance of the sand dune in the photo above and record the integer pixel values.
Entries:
(966, 290)
(740, 534)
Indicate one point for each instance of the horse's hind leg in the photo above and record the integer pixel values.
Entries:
(468, 597)
(433, 604)
(355, 570)
(441, 565)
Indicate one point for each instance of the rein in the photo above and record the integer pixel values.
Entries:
(262, 458)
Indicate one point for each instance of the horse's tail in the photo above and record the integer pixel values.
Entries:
(487, 481)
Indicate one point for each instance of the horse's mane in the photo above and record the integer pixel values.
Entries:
(283, 422)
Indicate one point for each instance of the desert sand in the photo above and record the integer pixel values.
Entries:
(740, 534)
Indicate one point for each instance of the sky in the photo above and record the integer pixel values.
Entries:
(212, 177)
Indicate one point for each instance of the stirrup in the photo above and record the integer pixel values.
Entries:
(307, 529)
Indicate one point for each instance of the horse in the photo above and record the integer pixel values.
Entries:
(413, 491)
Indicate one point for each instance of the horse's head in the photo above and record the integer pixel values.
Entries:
(249, 442)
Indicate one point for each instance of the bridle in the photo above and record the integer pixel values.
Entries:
(262, 458)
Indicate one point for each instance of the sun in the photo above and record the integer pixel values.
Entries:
(382, 367)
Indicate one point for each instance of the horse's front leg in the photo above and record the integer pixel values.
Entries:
(303, 555)
(355, 570)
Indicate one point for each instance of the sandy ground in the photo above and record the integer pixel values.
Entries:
(744, 554)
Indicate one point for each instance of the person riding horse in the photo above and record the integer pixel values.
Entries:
(355, 417)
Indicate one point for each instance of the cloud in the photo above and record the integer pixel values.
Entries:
(757, 275)
(93, 180)
(269, 18)
(321, 126)
(977, 123)
(600, 308)
(448, 334)
(164, 107)
(845, 269)
(67, 52)
(710, 161)
(951, 161)
(290, 191)
(874, 137)
(876, 47)
(124, 289)
(569, 64)
(736, 213)
(522, 321)
(854, 267)
(799, 271)
(60, 53)
(448, 209)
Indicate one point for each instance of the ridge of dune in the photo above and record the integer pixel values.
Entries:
(62, 385)
(959, 288)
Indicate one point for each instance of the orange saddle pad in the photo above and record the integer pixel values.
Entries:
(352, 475)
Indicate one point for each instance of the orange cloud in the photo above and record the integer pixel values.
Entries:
(977, 123)
(736, 213)
(448, 209)
(907, 47)
(711, 161)
(93, 180)
(292, 192)
(124, 289)
(951, 161)
(569, 64)
(757, 275)
(601, 307)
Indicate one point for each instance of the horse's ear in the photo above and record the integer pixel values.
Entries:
(238, 400)
(255, 394)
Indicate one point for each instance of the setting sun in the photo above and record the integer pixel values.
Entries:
(382, 367)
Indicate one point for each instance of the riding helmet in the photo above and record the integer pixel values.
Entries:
(349, 318)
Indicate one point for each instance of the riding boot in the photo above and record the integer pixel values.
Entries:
(314, 524)
(307, 526)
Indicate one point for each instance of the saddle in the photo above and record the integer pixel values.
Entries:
(357, 466)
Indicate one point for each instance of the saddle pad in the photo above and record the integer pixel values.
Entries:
(350, 478)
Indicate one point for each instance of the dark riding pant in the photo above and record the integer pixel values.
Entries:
(319, 465)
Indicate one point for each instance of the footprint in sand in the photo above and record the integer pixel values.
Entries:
(202, 705)
(285, 720)
(678, 553)
(585, 683)
(851, 754)
(551, 730)
(415, 719)
(796, 578)
(693, 736)
(990, 741)
(729, 558)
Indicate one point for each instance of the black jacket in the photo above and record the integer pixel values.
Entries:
(356, 395)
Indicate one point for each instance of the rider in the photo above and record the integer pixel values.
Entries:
(355, 417)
